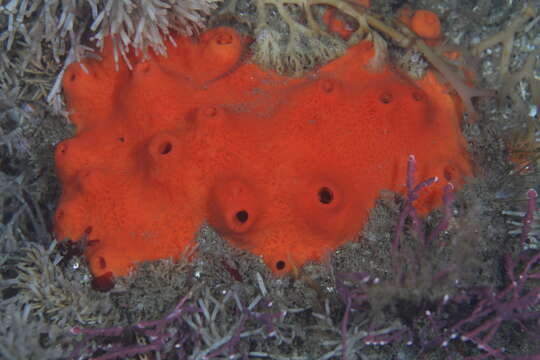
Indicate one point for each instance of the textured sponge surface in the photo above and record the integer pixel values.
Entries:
(287, 168)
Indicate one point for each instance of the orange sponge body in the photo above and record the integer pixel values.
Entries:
(287, 168)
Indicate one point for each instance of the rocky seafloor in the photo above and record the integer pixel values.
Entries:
(226, 303)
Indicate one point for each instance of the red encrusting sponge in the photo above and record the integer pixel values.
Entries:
(287, 168)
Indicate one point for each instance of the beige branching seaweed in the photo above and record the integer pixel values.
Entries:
(527, 19)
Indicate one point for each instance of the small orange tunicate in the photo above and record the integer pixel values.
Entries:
(426, 24)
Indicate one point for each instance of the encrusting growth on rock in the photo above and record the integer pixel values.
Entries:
(287, 168)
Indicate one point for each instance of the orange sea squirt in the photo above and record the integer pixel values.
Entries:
(426, 24)
(287, 168)
(336, 24)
